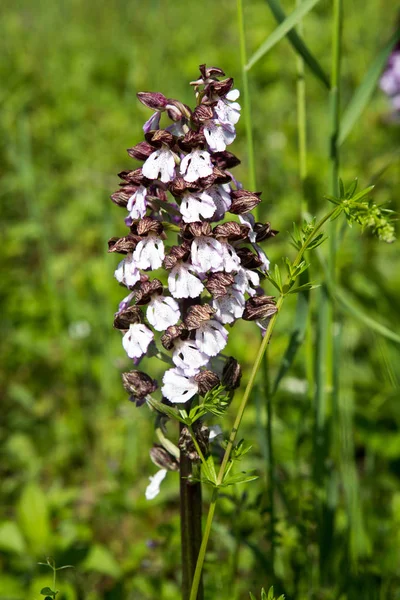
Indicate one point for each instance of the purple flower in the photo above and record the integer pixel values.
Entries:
(390, 80)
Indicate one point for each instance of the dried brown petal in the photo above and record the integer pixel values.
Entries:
(197, 315)
(264, 231)
(147, 225)
(207, 72)
(259, 307)
(202, 113)
(206, 380)
(231, 374)
(138, 385)
(248, 259)
(173, 333)
(218, 88)
(192, 230)
(141, 151)
(121, 196)
(159, 137)
(123, 245)
(244, 201)
(218, 283)
(153, 100)
(134, 177)
(224, 160)
(163, 459)
(127, 317)
(147, 290)
(177, 253)
(232, 231)
(192, 139)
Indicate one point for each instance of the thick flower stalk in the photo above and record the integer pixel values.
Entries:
(192, 257)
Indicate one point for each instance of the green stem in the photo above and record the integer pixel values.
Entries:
(301, 122)
(271, 465)
(242, 407)
(246, 96)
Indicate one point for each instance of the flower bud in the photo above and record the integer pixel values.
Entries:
(206, 380)
(225, 160)
(264, 231)
(177, 110)
(163, 459)
(153, 100)
(231, 374)
(259, 307)
(138, 385)
(248, 259)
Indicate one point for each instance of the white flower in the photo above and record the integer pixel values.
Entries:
(162, 312)
(137, 339)
(250, 221)
(230, 260)
(149, 253)
(222, 199)
(219, 134)
(178, 387)
(188, 357)
(229, 307)
(153, 489)
(245, 281)
(211, 337)
(195, 206)
(196, 164)
(127, 271)
(182, 284)
(206, 254)
(137, 203)
(160, 165)
(227, 110)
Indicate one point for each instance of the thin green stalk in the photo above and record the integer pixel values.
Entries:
(246, 96)
(270, 465)
(301, 121)
(240, 413)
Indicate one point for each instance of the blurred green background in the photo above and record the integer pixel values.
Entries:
(74, 452)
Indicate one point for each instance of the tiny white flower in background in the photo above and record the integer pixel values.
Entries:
(153, 489)
(206, 254)
(178, 387)
(160, 165)
(137, 339)
(222, 199)
(182, 284)
(195, 206)
(162, 312)
(215, 431)
(196, 164)
(127, 271)
(245, 281)
(229, 307)
(188, 357)
(230, 260)
(149, 253)
(137, 203)
(219, 135)
(211, 337)
(227, 110)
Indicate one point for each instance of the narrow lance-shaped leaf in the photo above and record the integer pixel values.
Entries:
(365, 90)
(286, 29)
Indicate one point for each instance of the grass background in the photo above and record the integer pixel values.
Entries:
(75, 460)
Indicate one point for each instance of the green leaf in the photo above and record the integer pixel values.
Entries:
(251, 596)
(365, 90)
(33, 517)
(102, 561)
(163, 408)
(238, 478)
(11, 539)
(299, 45)
(282, 30)
(46, 591)
(303, 288)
